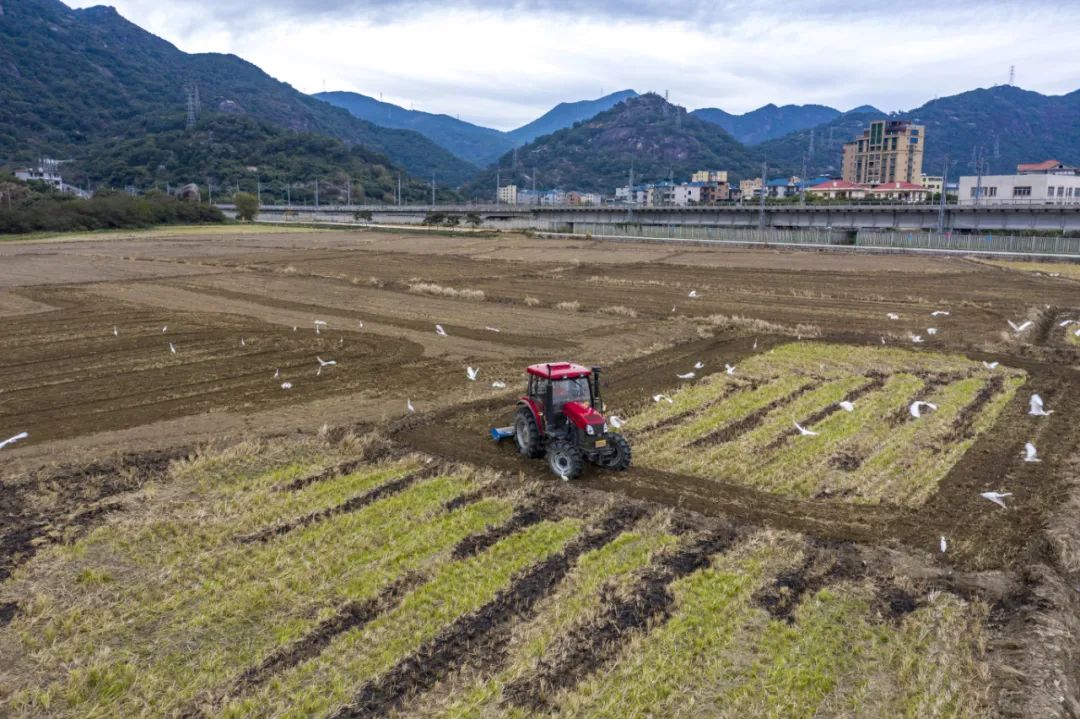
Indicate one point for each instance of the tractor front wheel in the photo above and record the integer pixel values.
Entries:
(527, 434)
(620, 458)
(565, 460)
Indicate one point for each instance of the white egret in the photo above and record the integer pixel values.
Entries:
(996, 497)
(472, 373)
(1018, 328)
(440, 331)
(804, 431)
(13, 440)
(916, 408)
(1036, 407)
(688, 375)
(1030, 454)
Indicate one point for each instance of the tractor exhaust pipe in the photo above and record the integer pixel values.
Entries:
(596, 386)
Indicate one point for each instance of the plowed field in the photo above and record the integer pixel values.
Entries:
(181, 535)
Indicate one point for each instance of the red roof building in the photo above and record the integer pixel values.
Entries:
(1044, 166)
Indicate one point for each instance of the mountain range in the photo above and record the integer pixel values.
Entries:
(71, 80)
(647, 133)
(769, 121)
(91, 87)
(479, 145)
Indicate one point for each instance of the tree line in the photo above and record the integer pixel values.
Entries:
(36, 207)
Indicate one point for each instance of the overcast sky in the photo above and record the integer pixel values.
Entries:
(502, 64)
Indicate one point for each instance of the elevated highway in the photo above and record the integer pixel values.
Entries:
(916, 217)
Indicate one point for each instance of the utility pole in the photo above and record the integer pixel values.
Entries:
(210, 190)
(433, 190)
(288, 193)
(941, 207)
(761, 206)
(258, 191)
(316, 193)
(978, 176)
(802, 182)
(348, 191)
(498, 184)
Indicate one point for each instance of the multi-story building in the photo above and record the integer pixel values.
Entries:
(528, 197)
(48, 172)
(659, 194)
(553, 197)
(1049, 182)
(709, 176)
(583, 198)
(931, 183)
(888, 151)
(508, 195)
(750, 188)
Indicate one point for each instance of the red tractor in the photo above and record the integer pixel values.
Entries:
(560, 418)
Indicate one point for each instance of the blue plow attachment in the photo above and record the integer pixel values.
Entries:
(500, 433)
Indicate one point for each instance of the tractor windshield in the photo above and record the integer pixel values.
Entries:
(571, 390)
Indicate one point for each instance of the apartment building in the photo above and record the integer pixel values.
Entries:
(888, 151)
(508, 195)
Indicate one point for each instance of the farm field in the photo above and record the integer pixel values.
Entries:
(182, 534)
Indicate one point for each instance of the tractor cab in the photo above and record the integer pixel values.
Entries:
(561, 416)
(564, 393)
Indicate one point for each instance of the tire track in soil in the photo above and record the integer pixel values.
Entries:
(593, 644)
(965, 419)
(732, 430)
(350, 505)
(480, 639)
(503, 338)
(524, 516)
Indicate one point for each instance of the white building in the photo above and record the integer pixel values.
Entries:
(48, 172)
(1048, 182)
(508, 195)
(686, 194)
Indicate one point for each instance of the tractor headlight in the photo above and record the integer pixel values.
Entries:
(590, 430)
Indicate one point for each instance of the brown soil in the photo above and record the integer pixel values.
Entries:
(107, 414)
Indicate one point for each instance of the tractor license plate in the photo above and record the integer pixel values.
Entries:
(601, 443)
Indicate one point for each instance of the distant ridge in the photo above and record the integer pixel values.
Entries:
(566, 114)
(71, 80)
(769, 121)
(645, 132)
(475, 144)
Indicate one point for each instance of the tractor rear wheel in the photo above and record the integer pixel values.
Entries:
(527, 434)
(565, 460)
(620, 458)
